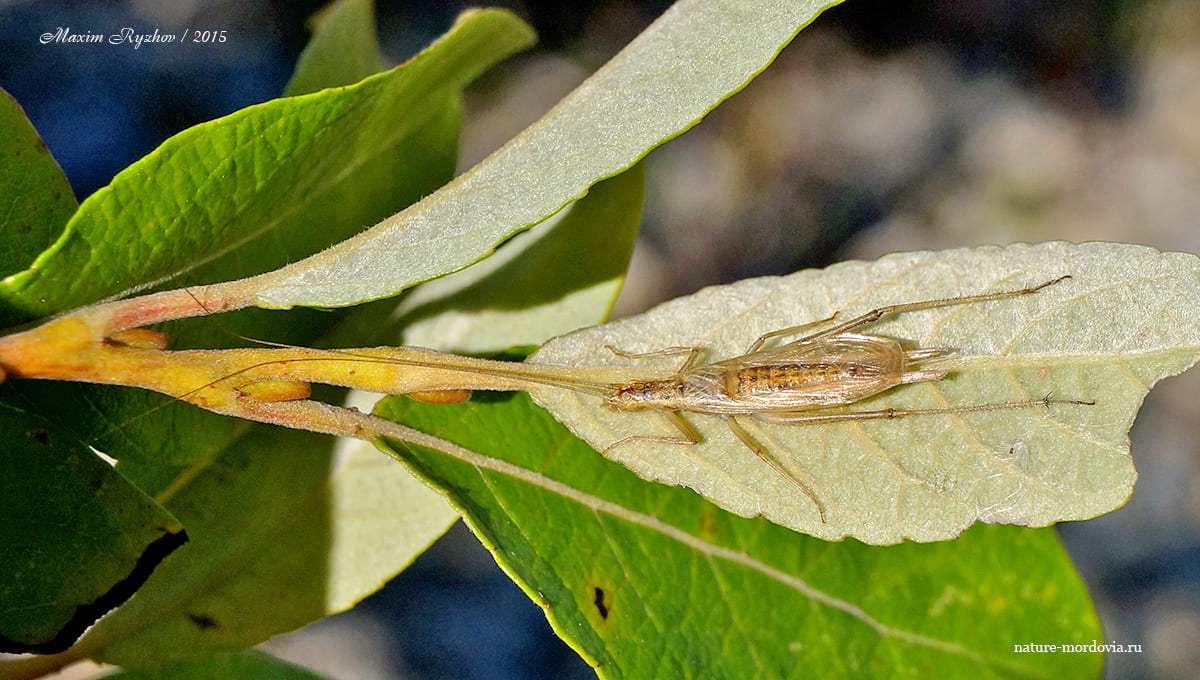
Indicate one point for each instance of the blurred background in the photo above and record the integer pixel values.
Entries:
(887, 125)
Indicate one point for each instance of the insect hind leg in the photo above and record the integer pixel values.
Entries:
(814, 417)
(880, 312)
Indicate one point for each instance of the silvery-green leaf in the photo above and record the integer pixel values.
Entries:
(561, 275)
(695, 55)
(1127, 318)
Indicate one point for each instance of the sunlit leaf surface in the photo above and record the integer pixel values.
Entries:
(696, 54)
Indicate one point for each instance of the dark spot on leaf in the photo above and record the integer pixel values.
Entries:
(40, 436)
(598, 601)
(203, 621)
(87, 614)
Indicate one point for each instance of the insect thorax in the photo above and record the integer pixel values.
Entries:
(647, 394)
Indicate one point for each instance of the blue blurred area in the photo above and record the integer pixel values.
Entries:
(101, 107)
(454, 615)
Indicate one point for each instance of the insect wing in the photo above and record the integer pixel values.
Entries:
(809, 374)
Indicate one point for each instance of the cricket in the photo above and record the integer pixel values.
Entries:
(794, 383)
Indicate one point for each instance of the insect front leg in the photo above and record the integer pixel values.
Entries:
(688, 434)
(692, 352)
(744, 437)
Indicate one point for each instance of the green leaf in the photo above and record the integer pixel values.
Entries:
(214, 188)
(78, 539)
(561, 275)
(694, 56)
(244, 666)
(38, 197)
(283, 533)
(343, 49)
(1127, 318)
(646, 580)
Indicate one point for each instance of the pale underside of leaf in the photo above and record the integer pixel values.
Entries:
(694, 56)
(1125, 319)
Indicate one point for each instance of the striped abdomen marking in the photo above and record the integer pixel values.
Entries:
(774, 378)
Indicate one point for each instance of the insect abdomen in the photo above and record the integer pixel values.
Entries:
(775, 377)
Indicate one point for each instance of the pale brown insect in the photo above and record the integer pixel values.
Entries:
(792, 383)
